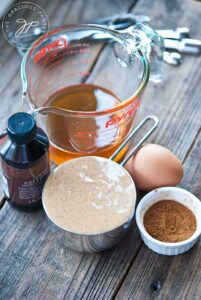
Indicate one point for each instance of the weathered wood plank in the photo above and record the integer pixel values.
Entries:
(41, 267)
(177, 99)
(59, 13)
(177, 277)
(10, 87)
(58, 272)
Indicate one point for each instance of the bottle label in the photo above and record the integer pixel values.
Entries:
(24, 186)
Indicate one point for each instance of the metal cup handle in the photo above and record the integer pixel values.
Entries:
(139, 144)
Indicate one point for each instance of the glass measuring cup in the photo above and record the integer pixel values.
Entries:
(76, 58)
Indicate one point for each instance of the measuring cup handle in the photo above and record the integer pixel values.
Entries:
(139, 144)
(151, 44)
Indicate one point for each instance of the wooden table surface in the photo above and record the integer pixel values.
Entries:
(33, 264)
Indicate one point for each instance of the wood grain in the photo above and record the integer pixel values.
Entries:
(11, 87)
(59, 13)
(177, 99)
(44, 263)
(156, 276)
(34, 265)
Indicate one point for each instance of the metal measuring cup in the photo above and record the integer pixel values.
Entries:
(103, 241)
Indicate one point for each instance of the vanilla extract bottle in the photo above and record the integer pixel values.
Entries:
(24, 162)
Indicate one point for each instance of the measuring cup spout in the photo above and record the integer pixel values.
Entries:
(76, 65)
(34, 111)
(48, 109)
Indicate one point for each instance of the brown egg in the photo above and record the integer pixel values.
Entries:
(154, 166)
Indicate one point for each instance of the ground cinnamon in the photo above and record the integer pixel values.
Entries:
(169, 221)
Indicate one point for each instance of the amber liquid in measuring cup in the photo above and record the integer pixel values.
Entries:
(70, 136)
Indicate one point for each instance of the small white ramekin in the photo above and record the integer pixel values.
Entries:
(172, 193)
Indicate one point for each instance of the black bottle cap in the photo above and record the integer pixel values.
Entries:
(21, 128)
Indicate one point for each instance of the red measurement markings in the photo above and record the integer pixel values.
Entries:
(97, 135)
(99, 139)
(79, 61)
(60, 43)
(86, 133)
(121, 124)
(124, 116)
(101, 125)
(107, 132)
(54, 64)
(110, 141)
(45, 55)
(51, 58)
(79, 73)
(79, 45)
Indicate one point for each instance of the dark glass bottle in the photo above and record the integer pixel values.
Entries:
(24, 162)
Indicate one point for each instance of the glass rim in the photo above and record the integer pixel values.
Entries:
(141, 87)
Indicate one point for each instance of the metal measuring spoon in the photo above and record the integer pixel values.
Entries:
(172, 58)
(185, 46)
(177, 34)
